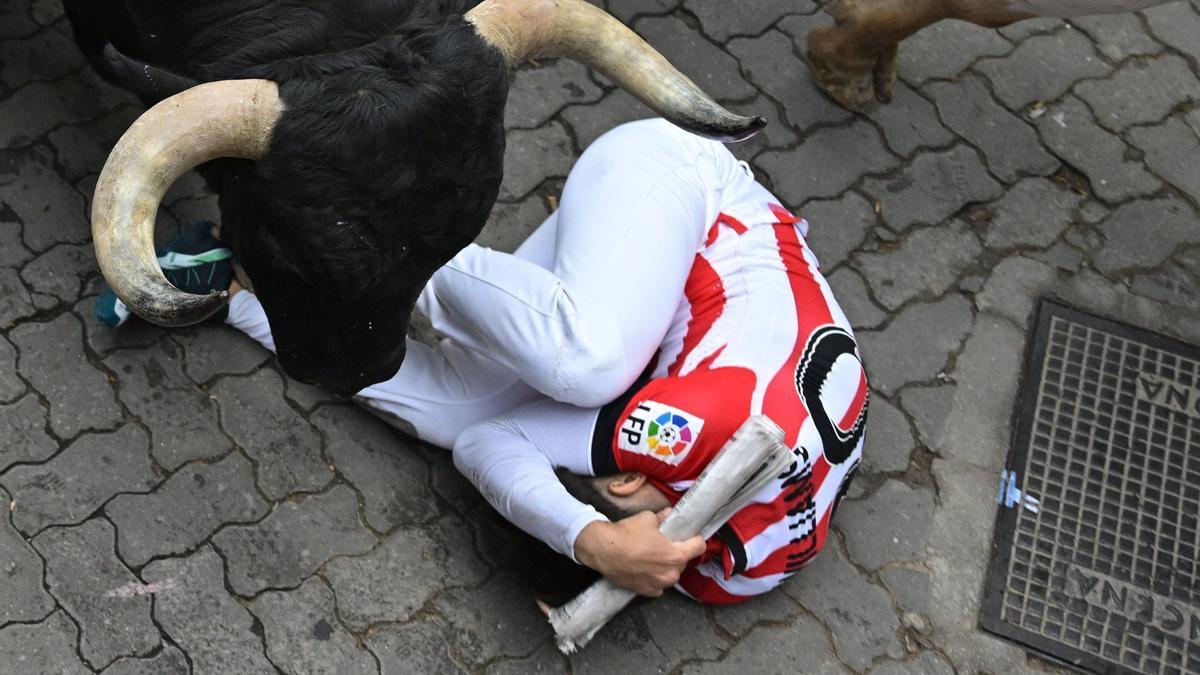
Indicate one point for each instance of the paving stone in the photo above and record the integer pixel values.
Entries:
(218, 350)
(837, 226)
(590, 122)
(545, 660)
(771, 63)
(169, 661)
(858, 613)
(851, 293)
(1070, 131)
(82, 149)
(932, 188)
(185, 509)
(412, 648)
(383, 467)
(309, 396)
(533, 156)
(496, 619)
(1032, 214)
(821, 167)
(1010, 145)
(11, 386)
(889, 441)
(511, 224)
(627, 9)
(910, 586)
(1022, 29)
(23, 436)
(397, 578)
(1171, 149)
(102, 339)
(51, 359)
(71, 486)
(293, 541)
(1118, 36)
(1143, 233)
(1013, 288)
(624, 645)
(777, 133)
(926, 663)
(15, 301)
(740, 618)
(945, 49)
(1042, 68)
(986, 375)
(537, 93)
(181, 418)
(680, 630)
(722, 20)
(284, 446)
(449, 484)
(61, 271)
(53, 103)
(776, 650)
(12, 248)
(303, 635)
(46, 12)
(925, 263)
(706, 64)
(891, 525)
(1176, 25)
(22, 597)
(1141, 91)
(1172, 285)
(46, 647)
(50, 208)
(924, 352)
(83, 573)
(910, 122)
(17, 20)
(45, 57)
(217, 633)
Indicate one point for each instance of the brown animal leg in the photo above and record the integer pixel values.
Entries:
(854, 60)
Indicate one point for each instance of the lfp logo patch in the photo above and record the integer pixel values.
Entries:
(660, 431)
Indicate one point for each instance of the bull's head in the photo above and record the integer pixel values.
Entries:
(338, 232)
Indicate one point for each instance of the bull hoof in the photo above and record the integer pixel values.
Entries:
(885, 75)
(850, 82)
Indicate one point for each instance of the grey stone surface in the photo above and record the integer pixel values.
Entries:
(84, 574)
(891, 525)
(1141, 91)
(401, 574)
(181, 418)
(1013, 288)
(945, 49)
(303, 635)
(589, 122)
(924, 264)
(931, 188)
(769, 62)
(707, 65)
(511, 223)
(537, 93)
(283, 445)
(680, 632)
(1143, 233)
(533, 156)
(910, 122)
(1022, 29)
(498, 618)
(102, 339)
(851, 293)
(545, 660)
(837, 226)
(889, 441)
(81, 478)
(1032, 214)
(48, 206)
(61, 271)
(169, 661)
(909, 586)
(858, 613)
(721, 20)
(380, 464)
(185, 509)
(45, 647)
(777, 651)
(1177, 25)
(1118, 36)
(51, 358)
(820, 166)
(1174, 285)
(740, 618)
(218, 633)
(924, 352)
(1011, 146)
(1071, 132)
(925, 663)
(1042, 68)
(929, 408)
(23, 430)
(1171, 149)
(625, 645)
(22, 597)
(13, 252)
(218, 350)
(11, 386)
(15, 300)
(418, 647)
(290, 544)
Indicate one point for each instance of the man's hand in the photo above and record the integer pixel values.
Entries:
(634, 555)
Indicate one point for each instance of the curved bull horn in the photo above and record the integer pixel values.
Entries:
(521, 29)
(231, 118)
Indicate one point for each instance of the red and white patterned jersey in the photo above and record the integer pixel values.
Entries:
(758, 331)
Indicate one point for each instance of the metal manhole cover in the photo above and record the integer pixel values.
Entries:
(1094, 559)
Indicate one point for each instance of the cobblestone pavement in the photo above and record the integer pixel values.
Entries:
(284, 530)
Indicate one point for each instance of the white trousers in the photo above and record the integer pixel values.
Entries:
(579, 310)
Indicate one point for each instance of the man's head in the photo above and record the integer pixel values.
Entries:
(618, 496)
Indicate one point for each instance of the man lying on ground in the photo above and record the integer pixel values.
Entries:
(586, 380)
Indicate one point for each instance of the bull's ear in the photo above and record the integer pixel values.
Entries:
(522, 29)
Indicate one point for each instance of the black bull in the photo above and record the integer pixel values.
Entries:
(385, 160)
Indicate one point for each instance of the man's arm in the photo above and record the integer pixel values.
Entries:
(512, 459)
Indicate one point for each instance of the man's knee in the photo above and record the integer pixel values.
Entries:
(592, 376)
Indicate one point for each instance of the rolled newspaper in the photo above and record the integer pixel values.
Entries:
(754, 457)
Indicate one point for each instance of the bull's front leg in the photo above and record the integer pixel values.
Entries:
(854, 60)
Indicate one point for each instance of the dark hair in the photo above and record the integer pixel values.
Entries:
(583, 489)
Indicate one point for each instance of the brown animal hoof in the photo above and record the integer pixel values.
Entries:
(847, 78)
